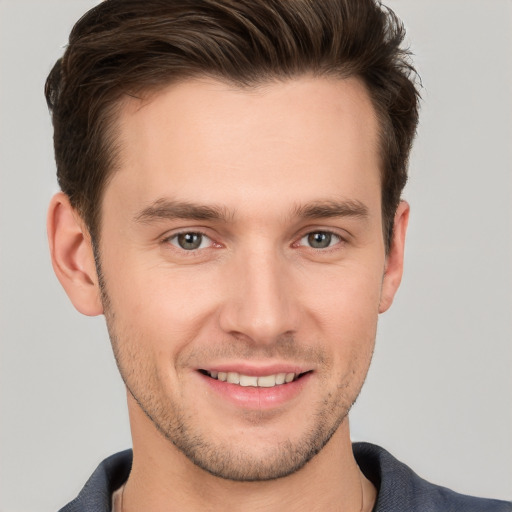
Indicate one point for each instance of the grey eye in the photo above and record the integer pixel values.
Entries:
(320, 239)
(189, 241)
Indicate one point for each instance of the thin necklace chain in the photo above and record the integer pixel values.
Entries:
(360, 484)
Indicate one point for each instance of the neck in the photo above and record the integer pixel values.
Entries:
(163, 479)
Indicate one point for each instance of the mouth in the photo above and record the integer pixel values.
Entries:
(256, 381)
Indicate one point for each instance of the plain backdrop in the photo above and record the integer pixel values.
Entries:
(439, 392)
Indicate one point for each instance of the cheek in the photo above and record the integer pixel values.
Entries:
(346, 314)
(348, 296)
(156, 304)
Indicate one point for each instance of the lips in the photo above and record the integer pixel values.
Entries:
(261, 381)
(255, 387)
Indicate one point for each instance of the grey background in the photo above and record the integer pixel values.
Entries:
(439, 392)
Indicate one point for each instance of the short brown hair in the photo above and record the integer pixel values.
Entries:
(128, 47)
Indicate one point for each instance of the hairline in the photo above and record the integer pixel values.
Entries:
(111, 131)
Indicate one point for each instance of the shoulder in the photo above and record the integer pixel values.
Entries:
(96, 494)
(400, 488)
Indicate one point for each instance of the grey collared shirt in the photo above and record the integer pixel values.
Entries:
(399, 488)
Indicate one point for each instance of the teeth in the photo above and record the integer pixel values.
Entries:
(269, 381)
(264, 381)
(233, 378)
(246, 380)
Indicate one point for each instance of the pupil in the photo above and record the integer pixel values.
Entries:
(319, 240)
(190, 241)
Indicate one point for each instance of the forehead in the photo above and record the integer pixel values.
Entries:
(208, 141)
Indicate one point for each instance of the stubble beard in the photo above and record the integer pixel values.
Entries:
(235, 463)
(170, 418)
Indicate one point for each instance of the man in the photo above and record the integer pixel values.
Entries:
(231, 176)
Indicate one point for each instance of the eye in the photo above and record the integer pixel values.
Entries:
(190, 241)
(320, 239)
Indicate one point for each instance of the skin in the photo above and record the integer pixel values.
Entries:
(278, 167)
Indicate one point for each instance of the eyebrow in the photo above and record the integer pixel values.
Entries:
(166, 209)
(169, 209)
(332, 209)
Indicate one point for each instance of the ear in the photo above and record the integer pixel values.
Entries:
(395, 258)
(72, 256)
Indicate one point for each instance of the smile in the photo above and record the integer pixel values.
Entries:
(263, 381)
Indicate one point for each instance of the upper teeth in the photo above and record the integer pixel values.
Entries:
(265, 381)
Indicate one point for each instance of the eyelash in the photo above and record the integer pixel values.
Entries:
(175, 237)
(330, 235)
(192, 251)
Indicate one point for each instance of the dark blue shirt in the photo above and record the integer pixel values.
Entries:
(399, 488)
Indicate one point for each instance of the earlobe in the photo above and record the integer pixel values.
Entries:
(72, 256)
(395, 258)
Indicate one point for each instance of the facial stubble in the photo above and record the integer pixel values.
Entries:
(169, 414)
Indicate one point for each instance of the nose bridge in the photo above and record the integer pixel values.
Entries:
(261, 305)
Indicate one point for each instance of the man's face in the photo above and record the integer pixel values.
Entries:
(243, 261)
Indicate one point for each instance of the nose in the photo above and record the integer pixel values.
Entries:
(261, 305)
